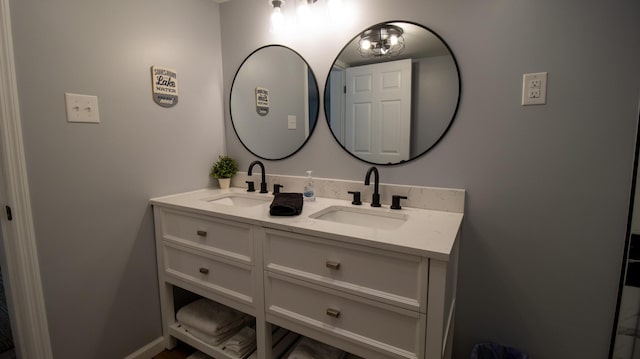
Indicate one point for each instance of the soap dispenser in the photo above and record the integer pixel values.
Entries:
(309, 193)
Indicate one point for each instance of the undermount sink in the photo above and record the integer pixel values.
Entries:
(373, 218)
(240, 199)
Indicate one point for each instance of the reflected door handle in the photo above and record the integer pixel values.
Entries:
(202, 233)
(332, 265)
(334, 313)
(204, 270)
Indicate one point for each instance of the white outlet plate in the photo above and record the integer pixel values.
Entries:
(534, 89)
(82, 108)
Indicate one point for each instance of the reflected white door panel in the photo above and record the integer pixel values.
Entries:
(378, 111)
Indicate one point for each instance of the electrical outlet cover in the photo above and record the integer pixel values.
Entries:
(534, 89)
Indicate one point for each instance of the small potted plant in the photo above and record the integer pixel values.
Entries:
(224, 168)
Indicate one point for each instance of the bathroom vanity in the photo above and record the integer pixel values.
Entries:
(375, 282)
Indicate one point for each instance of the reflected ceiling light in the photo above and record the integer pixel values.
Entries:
(382, 41)
(277, 19)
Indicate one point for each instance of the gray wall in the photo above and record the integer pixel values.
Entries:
(548, 187)
(90, 184)
(433, 100)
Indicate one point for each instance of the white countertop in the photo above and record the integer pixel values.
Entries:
(428, 233)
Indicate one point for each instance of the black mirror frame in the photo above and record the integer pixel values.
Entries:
(453, 116)
(317, 109)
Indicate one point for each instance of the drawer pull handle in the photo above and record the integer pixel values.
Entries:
(332, 265)
(204, 271)
(334, 313)
(202, 233)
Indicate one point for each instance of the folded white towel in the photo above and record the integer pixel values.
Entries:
(243, 337)
(213, 340)
(241, 343)
(311, 349)
(210, 317)
(199, 355)
(239, 351)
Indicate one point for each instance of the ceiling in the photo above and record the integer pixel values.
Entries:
(419, 43)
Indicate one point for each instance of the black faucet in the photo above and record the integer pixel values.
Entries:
(263, 184)
(375, 201)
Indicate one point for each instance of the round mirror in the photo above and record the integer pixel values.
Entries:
(274, 102)
(392, 93)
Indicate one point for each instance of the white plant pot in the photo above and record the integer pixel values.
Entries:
(224, 182)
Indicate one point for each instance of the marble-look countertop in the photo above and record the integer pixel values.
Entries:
(426, 232)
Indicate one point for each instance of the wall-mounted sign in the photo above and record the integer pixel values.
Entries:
(262, 101)
(165, 86)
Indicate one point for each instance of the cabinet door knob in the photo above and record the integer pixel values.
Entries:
(334, 313)
(332, 265)
(202, 233)
(204, 270)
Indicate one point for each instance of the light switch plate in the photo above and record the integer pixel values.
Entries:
(292, 122)
(534, 89)
(82, 108)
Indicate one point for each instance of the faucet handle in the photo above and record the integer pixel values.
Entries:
(263, 187)
(356, 197)
(251, 187)
(276, 188)
(395, 201)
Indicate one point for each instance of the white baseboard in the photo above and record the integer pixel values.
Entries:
(148, 351)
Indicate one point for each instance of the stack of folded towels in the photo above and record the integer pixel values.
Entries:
(241, 343)
(311, 349)
(212, 322)
(199, 355)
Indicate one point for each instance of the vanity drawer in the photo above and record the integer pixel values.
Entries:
(229, 239)
(394, 278)
(225, 277)
(392, 331)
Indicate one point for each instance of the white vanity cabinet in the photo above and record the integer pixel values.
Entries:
(368, 301)
(208, 256)
(347, 295)
(375, 300)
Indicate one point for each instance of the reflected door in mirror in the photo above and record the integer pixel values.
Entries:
(395, 129)
(378, 116)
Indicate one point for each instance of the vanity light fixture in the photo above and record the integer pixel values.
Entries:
(335, 7)
(304, 17)
(382, 41)
(303, 8)
(277, 18)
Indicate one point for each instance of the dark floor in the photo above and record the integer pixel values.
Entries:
(181, 351)
(6, 339)
(9, 354)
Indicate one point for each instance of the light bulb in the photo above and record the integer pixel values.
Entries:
(365, 44)
(277, 19)
(303, 10)
(394, 40)
(335, 6)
